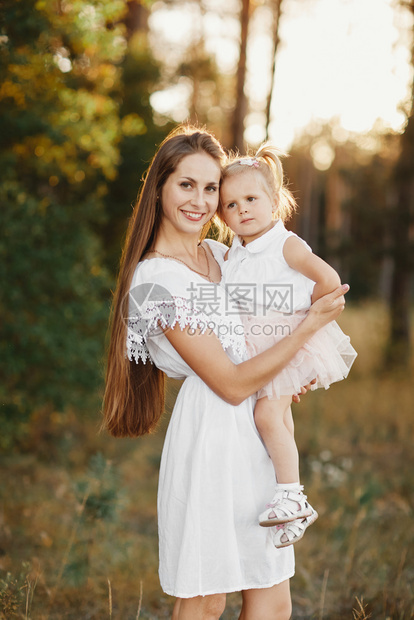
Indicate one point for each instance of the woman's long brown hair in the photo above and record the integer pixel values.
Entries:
(134, 391)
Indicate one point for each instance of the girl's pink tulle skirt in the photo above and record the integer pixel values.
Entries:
(326, 357)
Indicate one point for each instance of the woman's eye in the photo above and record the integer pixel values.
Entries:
(211, 189)
(185, 184)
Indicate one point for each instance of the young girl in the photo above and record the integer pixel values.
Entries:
(274, 276)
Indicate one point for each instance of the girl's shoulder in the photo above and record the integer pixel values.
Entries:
(276, 243)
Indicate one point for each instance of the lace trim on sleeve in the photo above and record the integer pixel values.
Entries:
(152, 318)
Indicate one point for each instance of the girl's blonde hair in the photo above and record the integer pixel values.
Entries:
(134, 392)
(265, 161)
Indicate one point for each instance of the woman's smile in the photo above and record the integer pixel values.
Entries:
(193, 215)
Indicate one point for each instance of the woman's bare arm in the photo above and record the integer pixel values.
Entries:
(236, 382)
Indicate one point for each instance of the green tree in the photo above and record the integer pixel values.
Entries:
(60, 131)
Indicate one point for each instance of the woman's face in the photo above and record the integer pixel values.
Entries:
(190, 195)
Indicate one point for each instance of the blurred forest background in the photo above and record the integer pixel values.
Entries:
(88, 89)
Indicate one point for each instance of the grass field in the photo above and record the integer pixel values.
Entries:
(78, 533)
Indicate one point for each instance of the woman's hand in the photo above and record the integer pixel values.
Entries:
(236, 382)
(328, 307)
(303, 390)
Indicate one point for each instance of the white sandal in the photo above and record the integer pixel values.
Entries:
(290, 533)
(286, 506)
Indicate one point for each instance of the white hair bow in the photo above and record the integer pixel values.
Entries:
(249, 161)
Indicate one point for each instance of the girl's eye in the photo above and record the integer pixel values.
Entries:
(231, 205)
(251, 199)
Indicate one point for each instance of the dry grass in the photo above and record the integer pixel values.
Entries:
(78, 537)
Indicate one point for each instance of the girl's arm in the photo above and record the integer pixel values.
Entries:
(236, 382)
(301, 259)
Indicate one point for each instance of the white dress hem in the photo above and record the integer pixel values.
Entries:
(233, 589)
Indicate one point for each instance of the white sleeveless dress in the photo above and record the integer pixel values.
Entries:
(274, 299)
(215, 474)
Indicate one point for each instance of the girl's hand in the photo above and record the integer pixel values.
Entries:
(328, 307)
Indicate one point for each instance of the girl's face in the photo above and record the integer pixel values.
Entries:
(190, 195)
(247, 207)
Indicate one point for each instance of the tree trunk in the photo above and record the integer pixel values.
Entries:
(398, 350)
(277, 9)
(136, 18)
(241, 99)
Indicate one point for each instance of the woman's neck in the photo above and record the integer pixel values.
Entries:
(175, 244)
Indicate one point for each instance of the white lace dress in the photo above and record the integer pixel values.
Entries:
(215, 474)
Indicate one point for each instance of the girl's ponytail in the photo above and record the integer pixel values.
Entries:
(269, 158)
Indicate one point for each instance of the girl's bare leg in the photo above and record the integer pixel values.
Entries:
(199, 608)
(267, 603)
(274, 422)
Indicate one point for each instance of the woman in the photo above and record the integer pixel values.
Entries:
(215, 473)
